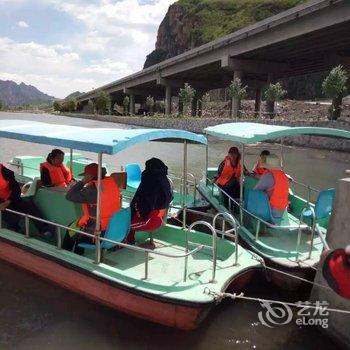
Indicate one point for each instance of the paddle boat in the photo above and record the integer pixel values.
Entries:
(163, 277)
(27, 169)
(294, 243)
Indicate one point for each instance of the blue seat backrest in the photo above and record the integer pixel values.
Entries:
(257, 203)
(118, 227)
(324, 203)
(133, 172)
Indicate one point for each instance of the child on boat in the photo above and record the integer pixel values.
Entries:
(151, 201)
(85, 192)
(53, 173)
(259, 168)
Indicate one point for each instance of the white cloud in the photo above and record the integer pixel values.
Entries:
(116, 34)
(22, 24)
(53, 72)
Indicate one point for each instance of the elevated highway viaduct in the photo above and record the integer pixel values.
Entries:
(312, 37)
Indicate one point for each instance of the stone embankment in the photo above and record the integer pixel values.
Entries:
(198, 124)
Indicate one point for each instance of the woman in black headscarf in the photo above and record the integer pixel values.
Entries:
(151, 200)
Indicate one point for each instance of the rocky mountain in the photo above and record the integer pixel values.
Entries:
(13, 94)
(191, 23)
(73, 95)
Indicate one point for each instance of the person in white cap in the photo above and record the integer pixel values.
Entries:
(275, 183)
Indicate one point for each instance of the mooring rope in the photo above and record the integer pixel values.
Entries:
(220, 296)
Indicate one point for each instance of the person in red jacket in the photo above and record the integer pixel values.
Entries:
(336, 270)
(10, 198)
(53, 173)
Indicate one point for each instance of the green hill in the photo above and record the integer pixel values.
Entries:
(216, 18)
(191, 23)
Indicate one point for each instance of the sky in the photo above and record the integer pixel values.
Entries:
(62, 46)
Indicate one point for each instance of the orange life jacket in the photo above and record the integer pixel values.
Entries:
(258, 169)
(5, 191)
(228, 172)
(110, 203)
(60, 175)
(280, 191)
(340, 273)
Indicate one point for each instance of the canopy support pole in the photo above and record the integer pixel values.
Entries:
(241, 184)
(282, 154)
(98, 212)
(184, 192)
(206, 161)
(71, 160)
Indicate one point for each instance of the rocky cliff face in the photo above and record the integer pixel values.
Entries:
(12, 94)
(174, 35)
(190, 23)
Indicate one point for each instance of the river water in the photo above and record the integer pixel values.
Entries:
(35, 314)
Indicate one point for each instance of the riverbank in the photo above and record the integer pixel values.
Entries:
(198, 124)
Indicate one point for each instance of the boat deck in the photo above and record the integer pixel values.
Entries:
(278, 244)
(165, 275)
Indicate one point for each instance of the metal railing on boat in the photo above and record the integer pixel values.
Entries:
(98, 239)
(189, 184)
(302, 224)
(310, 189)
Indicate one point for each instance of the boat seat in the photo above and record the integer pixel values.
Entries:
(257, 203)
(117, 230)
(133, 172)
(33, 187)
(323, 205)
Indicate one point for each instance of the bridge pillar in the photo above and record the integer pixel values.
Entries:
(258, 95)
(132, 103)
(236, 103)
(168, 100)
(194, 106)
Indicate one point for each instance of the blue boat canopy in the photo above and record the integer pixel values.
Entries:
(248, 133)
(97, 140)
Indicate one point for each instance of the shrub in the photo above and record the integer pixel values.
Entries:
(103, 103)
(334, 87)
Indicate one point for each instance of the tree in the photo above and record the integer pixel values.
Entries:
(159, 107)
(1, 105)
(237, 91)
(334, 87)
(150, 103)
(274, 93)
(72, 105)
(56, 106)
(187, 94)
(126, 103)
(103, 103)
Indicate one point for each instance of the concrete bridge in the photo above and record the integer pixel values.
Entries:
(309, 38)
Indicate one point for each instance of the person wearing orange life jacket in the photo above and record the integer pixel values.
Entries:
(85, 192)
(53, 173)
(229, 173)
(336, 270)
(10, 198)
(276, 184)
(259, 167)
